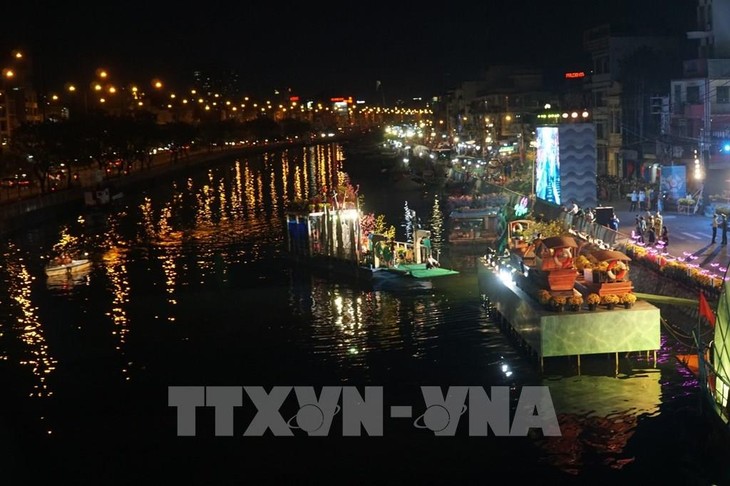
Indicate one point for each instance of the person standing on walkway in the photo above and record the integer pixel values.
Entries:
(651, 239)
(715, 224)
(658, 222)
(642, 200)
(723, 227)
(649, 220)
(647, 198)
(613, 223)
(634, 200)
(590, 216)
(638, 233)
(665, 237)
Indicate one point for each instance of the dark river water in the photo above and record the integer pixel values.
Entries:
(189, 288)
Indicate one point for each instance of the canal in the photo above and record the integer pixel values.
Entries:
(188, 288)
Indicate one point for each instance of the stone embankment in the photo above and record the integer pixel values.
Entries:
(682, 317)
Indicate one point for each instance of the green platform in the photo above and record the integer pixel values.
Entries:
(419, 270)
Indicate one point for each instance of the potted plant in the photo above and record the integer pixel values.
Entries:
(610, 300)
(558, 303)
(593, 301)
(543, 296)
(575, 301)
(628, 300)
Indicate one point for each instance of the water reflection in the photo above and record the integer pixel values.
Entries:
(24, 323)
(200, 253)
(598, 415)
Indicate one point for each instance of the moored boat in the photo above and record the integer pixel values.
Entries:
(65, 266)
(333, 239)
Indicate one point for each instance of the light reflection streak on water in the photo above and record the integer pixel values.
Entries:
(222, 201)
(273, 192)
(339, 328)
(422, 315)
(204, 213)
(285, 173)
(115, 264)
(310, 185)
(598, 415)
(250, 191)
(349, 324)
(298, 185)
(237, 190)
(148, 219)
(259, 192)
(324, 170)
(167, 259)
(169, 240)
(28, 325)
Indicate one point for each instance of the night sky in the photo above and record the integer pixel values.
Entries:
(340, 49)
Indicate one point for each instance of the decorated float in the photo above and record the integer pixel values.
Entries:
(605, 272)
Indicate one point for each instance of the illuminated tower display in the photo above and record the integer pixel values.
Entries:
(565, 164)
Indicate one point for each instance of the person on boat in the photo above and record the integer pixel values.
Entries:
(431, 262)
(426, 242)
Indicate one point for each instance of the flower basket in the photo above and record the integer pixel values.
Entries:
(575, 302)
(543, 296)
(628, 300)
(610, 300)
(557, 303)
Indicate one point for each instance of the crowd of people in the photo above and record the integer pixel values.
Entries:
(650, 230)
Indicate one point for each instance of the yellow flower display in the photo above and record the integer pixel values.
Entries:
(558, 300)
(628, 298)
(544, 297)
(610, 299)
(576, 299)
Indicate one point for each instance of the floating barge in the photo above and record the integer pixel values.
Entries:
(473, 228)
(331, 240)
(569, 333)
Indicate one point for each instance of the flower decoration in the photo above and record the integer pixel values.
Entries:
(583, 263)
(610, 299)
(544, 296)
(558, 301)
(594, 299)
(628, 298)
(575, 299)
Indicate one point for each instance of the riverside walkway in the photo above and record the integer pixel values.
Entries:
(690, 236)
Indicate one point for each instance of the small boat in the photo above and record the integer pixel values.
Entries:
(331, 239)
(67, 267)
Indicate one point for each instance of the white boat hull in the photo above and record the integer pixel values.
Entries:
(68, 268)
